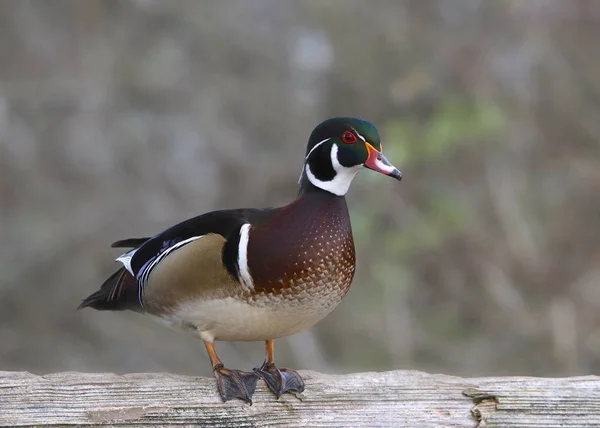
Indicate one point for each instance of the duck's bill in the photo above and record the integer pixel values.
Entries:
(378, 162)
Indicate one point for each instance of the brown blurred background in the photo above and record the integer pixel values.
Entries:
(121, 118)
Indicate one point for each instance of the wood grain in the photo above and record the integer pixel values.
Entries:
(389, 399)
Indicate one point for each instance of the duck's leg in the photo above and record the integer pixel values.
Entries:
(231, 383)
(281, 380)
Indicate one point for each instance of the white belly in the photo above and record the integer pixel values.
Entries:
(233, 319)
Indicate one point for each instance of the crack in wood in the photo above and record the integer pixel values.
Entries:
(483, 406)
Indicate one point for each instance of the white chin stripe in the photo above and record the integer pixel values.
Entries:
(245, 276)
(340, 184)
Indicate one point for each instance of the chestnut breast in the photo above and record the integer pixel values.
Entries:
(304, 253)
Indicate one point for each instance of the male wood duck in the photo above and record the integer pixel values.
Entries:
(255, 274)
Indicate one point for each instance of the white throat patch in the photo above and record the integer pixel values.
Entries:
(340, 184)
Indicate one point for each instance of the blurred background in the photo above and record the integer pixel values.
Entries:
(121, 118)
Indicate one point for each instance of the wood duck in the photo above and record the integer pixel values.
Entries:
(255, 274)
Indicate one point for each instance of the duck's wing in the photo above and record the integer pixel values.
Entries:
(124, 289)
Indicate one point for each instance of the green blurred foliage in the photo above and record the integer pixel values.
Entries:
(456, 122)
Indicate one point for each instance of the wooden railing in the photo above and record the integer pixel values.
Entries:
(388, 399)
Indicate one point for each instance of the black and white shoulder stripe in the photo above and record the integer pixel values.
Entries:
(242, 257)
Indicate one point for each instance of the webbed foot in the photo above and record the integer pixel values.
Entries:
(235, 383)
(281, 380)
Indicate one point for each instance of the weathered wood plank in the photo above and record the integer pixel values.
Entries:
(537, 402)
(390, 399)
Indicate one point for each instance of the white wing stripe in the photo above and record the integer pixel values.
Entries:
(145, 274)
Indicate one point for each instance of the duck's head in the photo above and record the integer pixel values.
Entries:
(337, 149)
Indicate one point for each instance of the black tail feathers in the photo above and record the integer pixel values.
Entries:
(129, 243)
(119, 292)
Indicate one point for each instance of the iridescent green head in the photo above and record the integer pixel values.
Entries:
(337, 149)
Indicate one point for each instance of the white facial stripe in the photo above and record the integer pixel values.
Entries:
(243, 257)
(360, 136)
(341, 182)
(316, 145)
(309, 153)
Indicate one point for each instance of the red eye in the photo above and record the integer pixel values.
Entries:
(348, 137)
